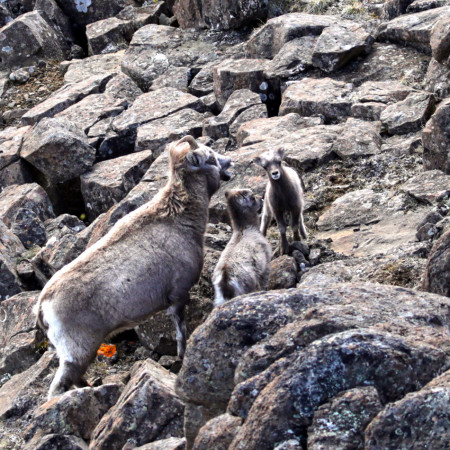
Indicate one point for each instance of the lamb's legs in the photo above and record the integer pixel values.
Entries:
(266, 216)
(284, 245)
(298, 224)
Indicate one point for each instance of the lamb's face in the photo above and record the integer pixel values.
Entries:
(244, 200)
(270, 161)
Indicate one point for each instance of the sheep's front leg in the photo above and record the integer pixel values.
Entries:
(284, 245)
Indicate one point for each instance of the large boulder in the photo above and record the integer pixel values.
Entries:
(220, 15)
(418, 420)
(108, 182)
(312, 97)
(10, 250)
(440, 40)
(288, 352)
(414, 29)
(268, 40)
(58, 149)
(68, 95)
(85, 12)
(232, 75)
(28, 39)
(147, 410)
(436, 273)
(77, 412)
(436, 139)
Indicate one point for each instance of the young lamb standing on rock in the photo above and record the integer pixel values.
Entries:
(244, 265)
(147, 262)
(284, 194)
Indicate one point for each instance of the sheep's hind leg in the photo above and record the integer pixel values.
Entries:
(284, 245)
(67, 375)
(178, 315)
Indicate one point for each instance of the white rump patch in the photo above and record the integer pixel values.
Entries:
(218, 294)
(56, 333)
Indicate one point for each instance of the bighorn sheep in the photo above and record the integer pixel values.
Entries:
(244, 265)
(284, 194)
(147, 262)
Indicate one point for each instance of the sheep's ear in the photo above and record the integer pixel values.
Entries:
(258, 160)
(280, 153)
(227, 194)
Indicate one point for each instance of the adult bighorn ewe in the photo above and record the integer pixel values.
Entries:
(147, 262)
(284, 194)
(244, 265)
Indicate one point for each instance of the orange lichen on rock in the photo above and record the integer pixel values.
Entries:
(107, 350)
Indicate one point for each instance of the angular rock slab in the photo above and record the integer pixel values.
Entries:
(154, 105)
(80, 69)
(10, 143)
(419, 420)
(239, 101)
(436, 79)
(56, 441)
(294, 57)
(208, 374)
(58, 149)
(19, 336)
(358, 138)
(76, 412)
(440, 40)
(108, 182)
(342, 421)
(408, 115)
(259, 130)
(147, 410)
(29, 38)
(84, 12)
(29, 196)
(65, 97)
(109, 35)
(436, 273)
(337, 45)
(357, 207)
(218, 433)
(331, 365)
(268, 40)
(156, 134)
(219, 15)
(414, 29)
(93, 108)
(234, 74)
(436, 139)
(22, 392)
(312, 97)
(429, 187)
(10, 249)
(145, 59)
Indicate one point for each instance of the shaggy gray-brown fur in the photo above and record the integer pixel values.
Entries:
(284, 195)
(244, 265)
(147, 262)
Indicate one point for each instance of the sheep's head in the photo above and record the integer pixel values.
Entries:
(270, 161)
(243, 206)
(187, 154)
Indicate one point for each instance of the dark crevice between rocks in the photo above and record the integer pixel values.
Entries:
(79, 32)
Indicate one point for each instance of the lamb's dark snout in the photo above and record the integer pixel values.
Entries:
(275, 174)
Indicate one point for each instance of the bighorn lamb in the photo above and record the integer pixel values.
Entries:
(244, 265)
(284, 194)
(147, 262)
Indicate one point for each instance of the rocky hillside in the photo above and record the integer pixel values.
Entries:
(350, 348)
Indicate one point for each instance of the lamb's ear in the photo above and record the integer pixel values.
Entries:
(280, 152)
(227, 194)
(258, 160)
